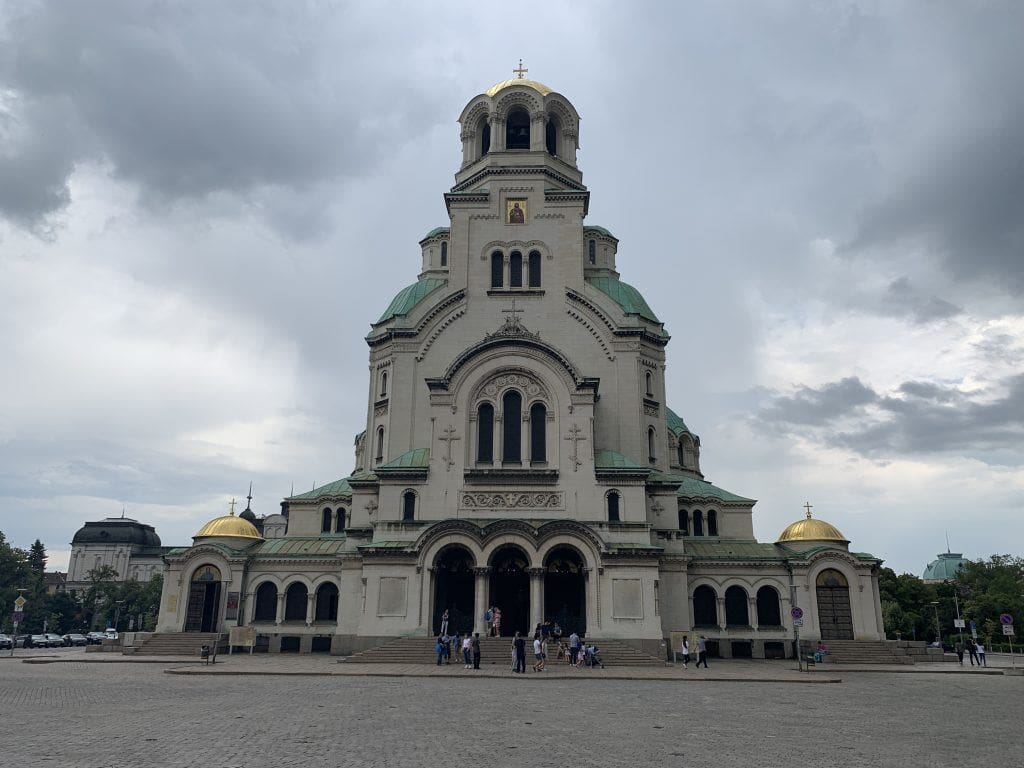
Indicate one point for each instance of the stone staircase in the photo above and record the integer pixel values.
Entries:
(176, 643)
(495, 650)
(866, 652)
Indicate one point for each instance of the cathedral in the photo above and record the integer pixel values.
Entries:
(519, 453)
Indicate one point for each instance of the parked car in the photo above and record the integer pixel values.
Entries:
(6, 642)
(111, 633)
(75, 638)
(36, 641)
(53, 640)
(96, 638)
(21, 641)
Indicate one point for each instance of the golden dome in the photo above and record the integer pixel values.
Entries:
(540, 88)
(229, 525)
(810, 529)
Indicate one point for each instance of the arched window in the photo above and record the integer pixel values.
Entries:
(325, 520)
(295, 602)
(534, 270)
(485, 137)
(515, 270)
(341, 520)
(408, 506)
(698, 523)
(650, 444)
(538, 430)
(681, 454)
(444, 253)
(736, 608)
(517, 130)
(326, 603)
(592, 251)
(551, 137)
(512, 426)
(485, 433)
(384, 384)
(613, 506)
(497, 269)
(705, 607)
(649, 380)
(379, 456)
(684, 522)
(266, 602)
(768, 611)
(712, 523)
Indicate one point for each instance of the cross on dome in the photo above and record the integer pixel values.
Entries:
(519, 71)
(808, 507)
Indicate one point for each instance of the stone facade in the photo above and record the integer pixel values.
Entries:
(519, 451)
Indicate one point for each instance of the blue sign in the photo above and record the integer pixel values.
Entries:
(1006, 618)
(796, 612)
(974, 625)
(18, 616)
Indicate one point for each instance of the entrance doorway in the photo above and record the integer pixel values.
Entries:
(510, 590)
(834, 615)
(453, 590)
(565, 590)
(203, 600)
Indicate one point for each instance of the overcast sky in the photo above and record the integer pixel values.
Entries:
(204, 205)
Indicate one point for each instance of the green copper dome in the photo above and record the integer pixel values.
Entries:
(946, 568)
(409, 297)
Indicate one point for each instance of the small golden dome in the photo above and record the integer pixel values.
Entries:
(540, 88)
(229, 525)
(810, 529)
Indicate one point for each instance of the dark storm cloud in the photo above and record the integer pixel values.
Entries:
(185, 103)
(902, 300)
(918, 418)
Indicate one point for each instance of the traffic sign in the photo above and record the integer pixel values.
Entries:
(796, 612)
(959, 623)
(974, 625)
(1005, 618)
(798, 622)
(18, 616)
(19, 602)
(1008, 629)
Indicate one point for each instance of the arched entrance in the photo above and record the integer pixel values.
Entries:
(453, 590)
(835, 618)
(510, 589)
(565, 594)
(203, 600)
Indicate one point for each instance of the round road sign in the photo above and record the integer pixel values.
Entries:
(1005, 618)
(797, 613)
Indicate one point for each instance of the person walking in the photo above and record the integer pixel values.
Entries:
(702, 652)
(686, 651)
(440, 651)
(959, 648)
(538, 653)
(475, 645)
(519, 649)
(488, 618)
(981, 655)
(497, 621)
(972, 648)
(444, 622)
(466, 650)
(574, 647)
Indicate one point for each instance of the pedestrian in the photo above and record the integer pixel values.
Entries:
(574, 647)
(519, 650)
(444, 622)
(538, 653)
(440, 651)
(959, 648)
(972, 648)
(488, 618)
(466, 650)
(981, 656)
(686, 651)
(702, 652)
(476, 650)
(497, 621)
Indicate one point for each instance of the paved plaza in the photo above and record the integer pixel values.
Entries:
(318, 712)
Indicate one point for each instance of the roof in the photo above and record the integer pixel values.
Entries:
(600, 230)
(410, 296)
(733, 550)
(695, 488)
(435, 232)
(675, 423)
(337, 488)
(810, 529)
(540, 88)
(417, 458)
(612, 460)
(946, 568)
(625, 295)
(117, 530)
(229, 525)
(300, 546)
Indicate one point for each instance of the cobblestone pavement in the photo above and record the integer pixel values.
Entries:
(97, 714)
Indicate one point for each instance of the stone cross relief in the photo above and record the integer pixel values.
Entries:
(371, 508)
(449, 436)
(575, 435)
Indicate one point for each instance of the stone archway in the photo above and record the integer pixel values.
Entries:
(510, 589)
(453, 589)
(565, 592)
(203, 607)
(835, 616)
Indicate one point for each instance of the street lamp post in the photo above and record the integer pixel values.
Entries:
(117, 613)
(938, 628)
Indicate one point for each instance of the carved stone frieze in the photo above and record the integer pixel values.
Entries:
(528, 385)
(512, 500)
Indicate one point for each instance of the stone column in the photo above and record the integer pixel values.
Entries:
(250, 607)
(720, 615)
(280, 608)
(536, 597)
(310, 608)
(497, 133)
(752, 612)
(480, 599)
(538, 136)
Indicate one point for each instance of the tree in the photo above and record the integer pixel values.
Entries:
(101, 594)
(14, 574)
(37, 557)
